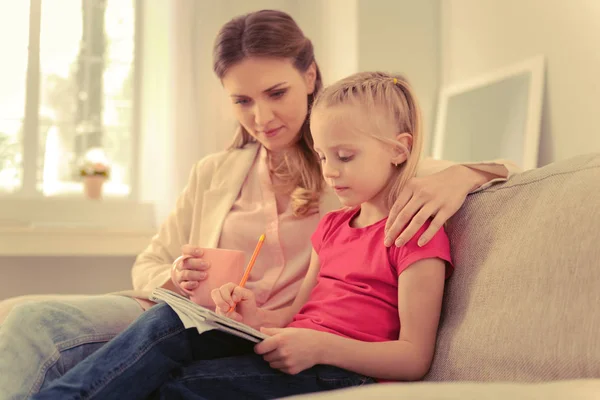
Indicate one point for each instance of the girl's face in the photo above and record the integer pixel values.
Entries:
(356, 165)
(269, 97)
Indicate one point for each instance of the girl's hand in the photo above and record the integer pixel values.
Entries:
(246, 310)
(439, 195)
(291, 350)
(189, 269)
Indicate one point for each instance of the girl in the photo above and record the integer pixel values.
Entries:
(363, 312)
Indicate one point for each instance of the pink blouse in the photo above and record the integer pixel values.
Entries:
(282, 262)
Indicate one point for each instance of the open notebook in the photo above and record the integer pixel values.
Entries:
(194, 316)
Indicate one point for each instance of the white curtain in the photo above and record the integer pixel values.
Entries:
(184, 113)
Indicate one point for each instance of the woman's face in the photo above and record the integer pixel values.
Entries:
(269, 97)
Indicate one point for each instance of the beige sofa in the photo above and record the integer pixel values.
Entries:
(521, 317)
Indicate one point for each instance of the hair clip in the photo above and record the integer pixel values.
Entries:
(395, 81)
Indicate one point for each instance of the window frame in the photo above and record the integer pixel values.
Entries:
(31, 119)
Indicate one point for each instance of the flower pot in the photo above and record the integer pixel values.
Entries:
(92, 186)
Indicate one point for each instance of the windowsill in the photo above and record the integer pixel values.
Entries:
(74, 227)
(75, 241)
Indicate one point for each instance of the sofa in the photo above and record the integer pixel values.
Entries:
(521, 313)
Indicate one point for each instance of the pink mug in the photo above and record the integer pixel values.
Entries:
(225, 266)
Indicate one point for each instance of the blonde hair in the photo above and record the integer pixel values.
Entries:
(385, 99)
(271, 33)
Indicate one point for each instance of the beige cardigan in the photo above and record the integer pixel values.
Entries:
(213, 186)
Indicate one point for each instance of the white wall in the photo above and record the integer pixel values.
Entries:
(332, 26)
(482, 35)
(184, 111)
(403, 36)
(399, 36)
(63, 275)
(348, 35)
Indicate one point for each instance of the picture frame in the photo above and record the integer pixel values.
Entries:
(496, 115)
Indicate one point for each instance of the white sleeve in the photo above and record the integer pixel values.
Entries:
(152, 267)
(503, 169)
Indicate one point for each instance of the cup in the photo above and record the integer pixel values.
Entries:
(225, 266)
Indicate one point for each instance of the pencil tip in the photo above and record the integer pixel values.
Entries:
(262, 237)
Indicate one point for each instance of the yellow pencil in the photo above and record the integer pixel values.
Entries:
(250, 265)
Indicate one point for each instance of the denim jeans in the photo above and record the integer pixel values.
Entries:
(40, 341)
(157, 358)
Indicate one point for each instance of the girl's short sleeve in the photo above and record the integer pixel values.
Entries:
(438, 247)
(322, 232)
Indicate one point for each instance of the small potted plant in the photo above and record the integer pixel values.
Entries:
(94, 175)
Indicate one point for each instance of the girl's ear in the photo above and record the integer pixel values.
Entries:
(403, 148)
(310, 77)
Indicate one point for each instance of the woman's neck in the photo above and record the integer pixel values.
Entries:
(279, 172)
(275, 158)
(277, 166)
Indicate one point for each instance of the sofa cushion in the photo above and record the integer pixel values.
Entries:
(522, 304)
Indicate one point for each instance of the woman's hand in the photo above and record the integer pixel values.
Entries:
(231, 295)
(439, 195)
(189, 269)
(291, 350)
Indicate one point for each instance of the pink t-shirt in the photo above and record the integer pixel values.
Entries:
(356, 294)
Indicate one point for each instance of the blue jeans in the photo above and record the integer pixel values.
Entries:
(157, 358)
(41, 340)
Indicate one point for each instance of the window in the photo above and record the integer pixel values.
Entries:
(66, 93)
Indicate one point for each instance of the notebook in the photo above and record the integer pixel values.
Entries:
(194, 316)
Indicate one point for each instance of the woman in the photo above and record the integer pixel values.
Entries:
(269, 181)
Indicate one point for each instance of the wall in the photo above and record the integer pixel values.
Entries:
(400, 36)
(478, 36)
(63, 275)
(432, 42)
(348, 35)
(185, 112)
(332, 26)
(170, 145)
(403, 36)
